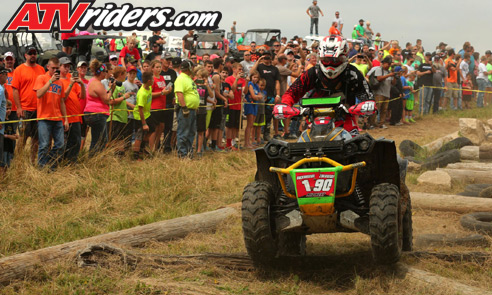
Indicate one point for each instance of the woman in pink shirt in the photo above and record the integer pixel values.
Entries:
(97, 102)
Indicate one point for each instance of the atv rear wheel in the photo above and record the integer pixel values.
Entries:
(386, 223)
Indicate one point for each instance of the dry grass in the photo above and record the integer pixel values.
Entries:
(39, 209)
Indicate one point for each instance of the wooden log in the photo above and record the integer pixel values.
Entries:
(452, 203)
(18, 266)
(468, 176)
(438, 143)
(471, 166)
(424, 277)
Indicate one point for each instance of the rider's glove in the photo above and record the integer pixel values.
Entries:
(365, 108)
(283, 111)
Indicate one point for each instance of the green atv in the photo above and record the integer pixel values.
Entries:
(332, 180)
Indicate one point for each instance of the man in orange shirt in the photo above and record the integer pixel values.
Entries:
(51, 107)
(25, 99)
(74, 91)
(452, 81)
(333, 30)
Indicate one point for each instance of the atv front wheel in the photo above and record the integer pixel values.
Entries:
(385, 223)
(258, 223)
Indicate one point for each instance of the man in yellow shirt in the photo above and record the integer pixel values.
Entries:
(187, 102)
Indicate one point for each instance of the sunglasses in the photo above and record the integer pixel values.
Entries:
(114, 59)
(276, 45)
(32, 53)
(247, 55)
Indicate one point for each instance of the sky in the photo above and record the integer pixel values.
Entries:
(451, 21)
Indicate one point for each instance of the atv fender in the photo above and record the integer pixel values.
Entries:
(263, 165)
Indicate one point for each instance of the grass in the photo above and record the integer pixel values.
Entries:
(40, 209)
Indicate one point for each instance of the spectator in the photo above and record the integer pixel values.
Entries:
(482, 80)
(272, 76)
(313, 11)
(25, 98)
(155, 52)
(377, 61)
(9, 64)
(396, 94)
(141, 113)
(426, 80)
(131, 87)
(247, 63)
(452, 81)
(312, 60)
(333, 29)
(488, 95)
(237, 83)
(467, 93)
(382, 94)
(410, 99)
(369, 33)
(74, 91)
(119, 130)
(82, 71)
(360, 31)
(233, 33)
(67, 45)
(284, 73)
(10, 137)
(253, 95)
(130, 50)
(187, 101)
(220, 98)
(188, 41)
(51, 107)
(240, 41)
(206, 94)
(352, 50)
(438, 78)
(113, 60)
(159, 96)
(120, 42)
(407, 51)
(255, 55)
(170, 77)
(339, 21)
(97, 102)
(360, 58)
(156, 39)
(3, 118)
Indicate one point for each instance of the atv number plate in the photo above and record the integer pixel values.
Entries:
(315, 184)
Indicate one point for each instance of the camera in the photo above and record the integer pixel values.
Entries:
(117, 83)
(57, 72)
(360, 56)
(75, 74)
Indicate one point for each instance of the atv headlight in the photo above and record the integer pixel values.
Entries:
(285, 152)
(364, 145)
(272, 150)
(351, 148)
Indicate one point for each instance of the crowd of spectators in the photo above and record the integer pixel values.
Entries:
(193, 104)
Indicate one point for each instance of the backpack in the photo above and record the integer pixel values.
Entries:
(373, 81)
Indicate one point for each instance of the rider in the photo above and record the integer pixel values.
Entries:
(332, 74)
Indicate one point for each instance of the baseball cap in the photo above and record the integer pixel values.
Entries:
(361, 20)
(372, 48)
(8, 53)
(167, 55)
(131, 68)
(387, 60)
(231, 59)
(176, 61)
(486, 52)
(113, 56)
(448, 48)
(3, 70)
(31, 48)
(214, 56)
(65, 61)
(295, 42)
(397, 69)
(442, 44)
(290, 52)
(428, 54)
(82, 63)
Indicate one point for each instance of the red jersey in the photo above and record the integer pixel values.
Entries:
(125, 53)
(235, 104)
(158, 102)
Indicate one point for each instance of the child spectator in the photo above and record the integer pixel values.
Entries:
(141, 113)
(410, 99)
(131, 87)
(10, 138)
(118, 118)
(260, 114)
(237, 83)
(206, 95)
(252, 92)
(3, 114)
(406, 91)
(159, 93)
(467, 93)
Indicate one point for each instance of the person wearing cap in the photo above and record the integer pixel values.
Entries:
(187, 101)
(439, 76)
(25, 99)
(156, 39)
(176, 63)
(51, 113)
(452, 86)
(9, 64)
(154, 54)
(425, 73)
(170, 77)
(74, 93)
(113, 60)
(361, 32)
(382, 93)
(313, 11)
(272, 76)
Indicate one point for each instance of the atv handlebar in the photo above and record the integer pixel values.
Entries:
(317, 159)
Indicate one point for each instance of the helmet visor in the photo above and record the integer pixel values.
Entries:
(333, 61)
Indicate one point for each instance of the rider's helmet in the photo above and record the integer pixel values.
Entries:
(333, 51)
